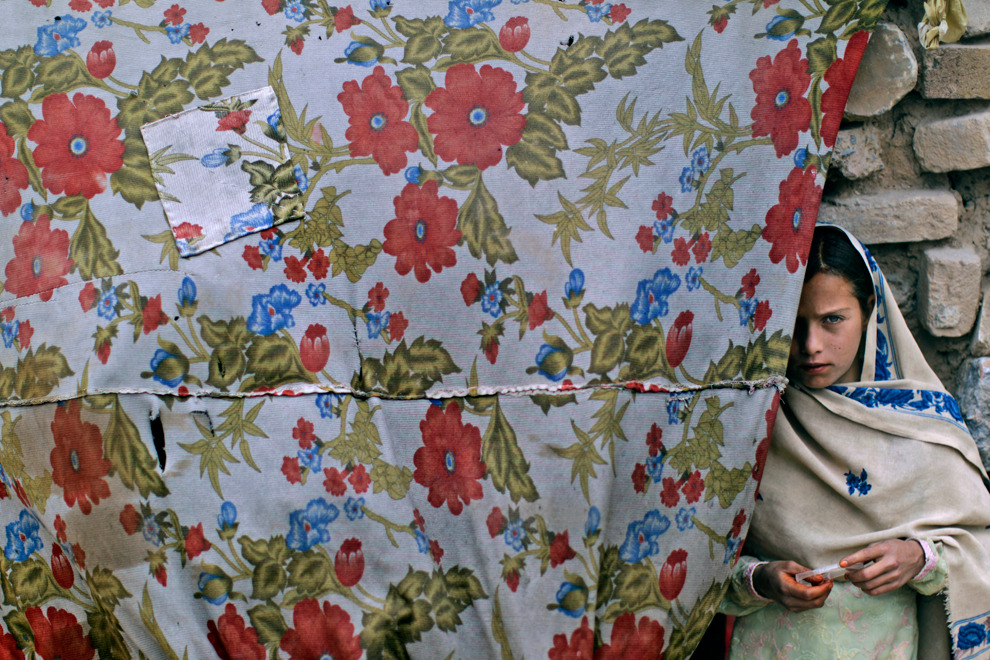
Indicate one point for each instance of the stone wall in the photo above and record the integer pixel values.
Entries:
(910, 176)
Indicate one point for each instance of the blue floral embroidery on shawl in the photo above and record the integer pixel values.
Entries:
(971, 635)
(924, 403)
(858, 483)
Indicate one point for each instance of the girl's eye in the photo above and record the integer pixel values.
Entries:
(832, 319)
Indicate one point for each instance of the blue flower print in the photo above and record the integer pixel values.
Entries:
(971, 635)
(413, 173)
(352, 48)
(301, 179)
(693, 279)
(422, 542)
(175, 33)
(800, 156)
(156, 360)
(271, 247)
(772, 23)
(9, 332)
(519, 2)
(683, 518)
(27, 212)
(377, 321)
(22, 537)
(700, 160)
(314, 293)
(465, 13)
(228, 515)
(747, 307)
(216, 158)
(514, 535)
(575, 283)
(651, 296)
(295, 11)
(59, 36)
(204, 584)
(151, 530)
(491, 300)
(187, 292)
(273, 119)
(581, 597)
(257, 217)
(4, 478)
(593, 522)
(674, 406)
(688, 175)
(379, 4)
(308, 526)
(354, 508)
(641, 537)
(272, 311)
(858, 484)
(882, 362)
(597, 12)
(664, 229)
(546, 350)
(654, 467)
(730, 549)
(310, 458)
(325, 403)
(101, 19)
(107, 307)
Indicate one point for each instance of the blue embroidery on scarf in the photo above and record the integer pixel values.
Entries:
(858, 484)
(971, 637)
(886, 357)
(923, 403)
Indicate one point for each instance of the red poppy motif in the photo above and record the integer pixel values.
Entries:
(737, 523)
(840, 77)
(13, 175)
(8, 647)
(377, 297)
(271, 6)
(749, 283)
(252, 255)
(57, 635)
(539, 310)
(359, 479)
(694, 487)
(470, 289)
(295, 269)
(701, 248)
(781, 110)
(24, 334)
(632, 642)
(663, 205)
(319, 265)
(619, 12)
(198, 32)
(495, 522)
(291, 470)
(78, 465)
(560, 549)
(791, 221)
(303, 432)
(475, 114)
(579, 647)
(318, 633)
(77, 144)
(681, 254)
(436, 551)
(449, 462)
(762, 314)
(234, 121)
(232, 639)
(335, 481)
(644, 236)
(196, 542)
(152, 316)
(174, 15)
(130, 519)
(79, 555)
(670, 495)
(397, 325)
(345, 19)
(653, 440)
(41, 260)
(639, 478)
(376, 111)
(60, 528)
(672, 574)
(423, 232)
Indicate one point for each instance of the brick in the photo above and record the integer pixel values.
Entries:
(979, 18)
(953, 71)
(981, 336)
(974, 402)
(949, 291)
(886, 74)
(896, 216)
(857, 152)
(955, 143)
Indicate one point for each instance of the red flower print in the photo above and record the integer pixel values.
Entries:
(630, 642)
(471, 289)
(319, 264)
(769, 3)
(198, 32)
(41, 259)
(580, 647)
(495, 522)
(79, 555)
(376, 111)
(749, 283)
(475, 114)
(672, 574)
(297, 45)
(670, 495)
(22, 494)
(840, 79)
(359, 479)
(291, 470)
(174, 14)
(58, 635)
(436, 551)
(781, 109)
(512, 580)
(152, 316)
(234, 121)
(60, 528)
(87, 297)
(13, 175)
(187, 230)
(161, 575)
(62, 568)
(679, 338)
(694, 487)
(130, 519)
(514, 35)
(653, 440)
(77, 144)
(80, 5)
(8, 647)
(791, 222)
(252, 255)
(335, 481)
(105, 3)
(303, 432)
(539, 310)
(449, 462)
(645, 238)
(423, 232)
(491, 350)
(419, 520)
(377, 297)
(639, 478)
(701, 248)
(397, 325)
(761, 458)
(101, 59)
(663, 205)
(196, 542)
(348, 563)
(762, 314)
(314, 349)
(560, 549)
(318, 633)
(271, 6)
(4, 494)
(720, 23)
(103, 352)
(232, 639)
(737, 523)
(345, 19)
(681, 254)
(24, 334)
(619, 12)
(7, 314)
(78, 465)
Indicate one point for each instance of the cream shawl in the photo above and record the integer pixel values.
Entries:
(886, 457)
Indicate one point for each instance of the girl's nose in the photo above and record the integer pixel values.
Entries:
(812, 341)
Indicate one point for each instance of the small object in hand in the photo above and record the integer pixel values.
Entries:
(825, 573)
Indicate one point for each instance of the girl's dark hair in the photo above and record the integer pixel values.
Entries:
(833, 254)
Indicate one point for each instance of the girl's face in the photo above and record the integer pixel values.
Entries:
(827, 334)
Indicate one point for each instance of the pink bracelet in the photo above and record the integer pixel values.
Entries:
(931, 559)
(749, 582)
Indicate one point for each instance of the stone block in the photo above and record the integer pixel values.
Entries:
(954, 143)
(973, 396)
(887, 72)
(949, 291)
(979, 18)
(981, 336)
(895, 216)
(957, 71)
(857, 152)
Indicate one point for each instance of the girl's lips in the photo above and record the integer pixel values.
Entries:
(813, 368)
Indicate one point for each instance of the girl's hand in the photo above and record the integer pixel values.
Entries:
(895, 563)
(776, 581)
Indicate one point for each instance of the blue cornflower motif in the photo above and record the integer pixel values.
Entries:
(257, 217)
(688, 175)
(354, 46)
(377, 321)
(422, 542)
(575, 283)
(664, 229)
(379, 4)
(858, 483)
(295, 11)
(150, 530)
(730, 549)
(27, 211)
(593, 522)
(514, 535)
(636, 547)
(228, 515)
(107, 307)
(311, 458)
(651, 296)
(700, 160)
(325, 403)
(22, 537)
(59, 36)
(156, 360)
(187, 292)
(413, 173)
(546, 350)
(491, 300)
(272, 311)
(597, 12)
(693, 279)
(175, 33)
(465, 13)
(314, 293)
(101, 19)
(353, 508)
(800, 156)
(654, 467)
(747, 307)
(9, 332)
(773, 22)
(216, 158)
(301, 179)
(683, 518)
(308, 526)
(274, 118)
(272, 247)
(674, 410)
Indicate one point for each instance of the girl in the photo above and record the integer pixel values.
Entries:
(870, 462)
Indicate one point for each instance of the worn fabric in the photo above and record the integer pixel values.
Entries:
(888, 456)
(438, 328)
